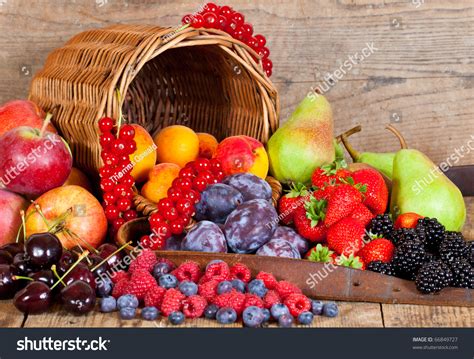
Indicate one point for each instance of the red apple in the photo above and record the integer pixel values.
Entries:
(10, 220)
(33, 162)
(73, 212)
(18, 113)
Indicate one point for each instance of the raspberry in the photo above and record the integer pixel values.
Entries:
(218, 270)
(118, 276)
(154, 297)
(253, 300)
(172, 301)
(208, 290)
(240, 271)
(268, 279)
(120, 288)
(285, 288)
(232, 299)
(167, 261)
(146, 260)
(188, 271)
(193, 307)
(272, 297)
(140, 283)
(297, 304)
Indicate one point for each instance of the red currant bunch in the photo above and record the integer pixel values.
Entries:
(116, 181)
(224, 18)
(176, 210)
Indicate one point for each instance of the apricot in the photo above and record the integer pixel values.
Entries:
(144, 157)
(177, 144)
(160, 179)
(207, 145)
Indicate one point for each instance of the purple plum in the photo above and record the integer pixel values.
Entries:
(278, 248)
(205, 236)
(289, 234)
(217, 202)
(251, 186)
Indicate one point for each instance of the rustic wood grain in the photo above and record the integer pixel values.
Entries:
(402, 315)
(10, 317)
(422, 71)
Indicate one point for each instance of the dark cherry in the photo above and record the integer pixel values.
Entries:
(8, 285)
(46, 276)
(102, 269)
(106, 250)
(34, 298)
(44, 249)
(23, 264)
(67, 259)
(80, 273)
(78, 297)
(5, 257)
(13, 248)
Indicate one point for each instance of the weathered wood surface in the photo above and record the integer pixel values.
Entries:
(420, 73)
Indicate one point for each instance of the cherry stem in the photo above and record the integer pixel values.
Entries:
(46, 122)
(55, 272)
(81, 257)
(111, 255)
(119, 99)
(403, 143)
(76, 237)
(40, 212)
(23, 224)
(16, 277)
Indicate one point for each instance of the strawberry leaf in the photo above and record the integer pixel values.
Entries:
(320, 253)
(351, 261)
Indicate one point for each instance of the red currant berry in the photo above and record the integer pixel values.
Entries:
(199, 183)
(121, 191)
(197, 21)
(161, 231)
(261, 40)
(106, 140)
(187, 172)
(202, 164)
(111, 212)
(223, 22)
(207, 175)
(109, 159)
(219, 175)
(124, 204)
(185, 206)
(237, 18)
(264, 52)
(128, 193)
(247, 29)
(158, 243)
(164, 204)
(176, 227)
(187, 19)
(120, 147)
(210, 20)
(254, 44)
(183, 184)
(225, 11)
(238, 33)
(267, 64)
(127, 180)
(130, 214)
(174, 194)
(127, 132)
(268, 72)
(156, 219)
(170, 214)
(216, 165)
(193, 196)
(124, 160)
(109, 198)
(117, 223)
(105, 172)
(211, 7)
(107, 185)
(145, 242)
(106, 124)
(130, 147)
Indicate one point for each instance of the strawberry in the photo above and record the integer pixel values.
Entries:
(363, 214)
(351, 261)
(320, 253)
(330, 174)
(376, 195)
(343, 201)
(309, 220)
(407, 220)
(380, 249)
(291, 201)
(345, 237)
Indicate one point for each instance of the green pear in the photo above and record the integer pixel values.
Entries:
(304, 142)
(420, 186)
(382, 161)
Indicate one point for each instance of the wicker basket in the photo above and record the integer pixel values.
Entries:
(202, 78)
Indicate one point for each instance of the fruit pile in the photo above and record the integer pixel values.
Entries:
(221, 292)
(226, 19)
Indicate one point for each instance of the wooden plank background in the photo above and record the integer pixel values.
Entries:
(421, 76)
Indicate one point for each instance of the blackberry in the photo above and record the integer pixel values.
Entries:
(470, 252)
(381, 225)
(433, 276)
(463, 273)
(408, 258)
(381, 267)
(431, 257)
(433, 232)
(452, 247)
(402, 234)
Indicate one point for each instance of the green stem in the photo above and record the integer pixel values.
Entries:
(55, 272)
(15, 277)
(111, 255)
(81, 257)
(119, 100)
(46, 122)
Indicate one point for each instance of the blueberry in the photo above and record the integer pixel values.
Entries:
(211, 311)
(159, 269)
(127, 300)
(176, 318)
(226, 316)
(168, 281)
(127, 313)
(285, 321)
(305, 318)
(188, 288)
(266, 315)
(224, 287)
(253, 316)
(278, 310)
(330, 309)
(108, 304)
(257, 287)
(104, 287)
(150, 313)
(238, 285)
(317, 307)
